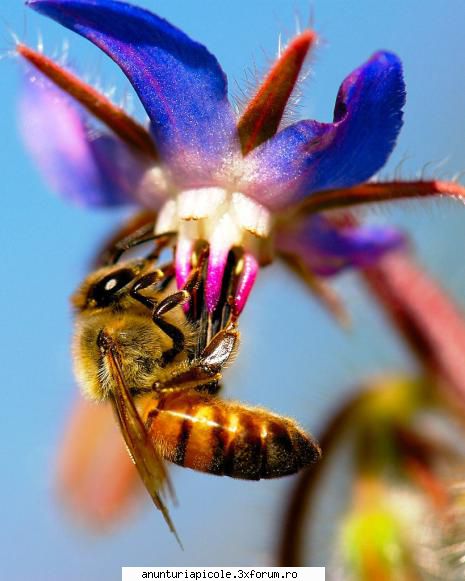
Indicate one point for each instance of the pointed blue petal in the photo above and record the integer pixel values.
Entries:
(180, 84)
(327, 249)
(82, 166)
(310, 156)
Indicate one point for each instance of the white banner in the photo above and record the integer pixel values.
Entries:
(201, 573)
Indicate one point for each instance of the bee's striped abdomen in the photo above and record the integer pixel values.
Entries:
(227, 438)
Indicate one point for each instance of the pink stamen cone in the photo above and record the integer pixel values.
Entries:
(246, 282)
(215, 271)
(183, 261)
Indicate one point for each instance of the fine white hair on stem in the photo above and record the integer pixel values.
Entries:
(10, 34)
(11, 39)
(399, 167)
(457, 176)
(40, 42)
(298, 26)
(433, 166)
(254, 75)
(64, 53)
(429, 172)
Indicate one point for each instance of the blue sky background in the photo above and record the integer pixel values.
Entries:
(293, 358)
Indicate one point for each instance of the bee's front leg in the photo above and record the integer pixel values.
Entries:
(161, 308)
(173, 332)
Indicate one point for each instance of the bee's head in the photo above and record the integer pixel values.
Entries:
(106, 287)
(106, 314)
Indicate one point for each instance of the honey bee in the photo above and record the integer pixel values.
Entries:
(157, 356)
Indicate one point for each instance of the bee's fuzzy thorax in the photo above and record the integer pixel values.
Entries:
(140, 344)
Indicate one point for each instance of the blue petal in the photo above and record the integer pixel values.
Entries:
(180, 84)
(82, 166)
(310, 156)
(326, 248)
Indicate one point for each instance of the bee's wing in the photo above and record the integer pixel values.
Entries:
(148, 461)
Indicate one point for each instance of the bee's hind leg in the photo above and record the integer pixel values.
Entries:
(220, 349)
(204, 374)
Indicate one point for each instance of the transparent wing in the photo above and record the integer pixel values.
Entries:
(147, 460)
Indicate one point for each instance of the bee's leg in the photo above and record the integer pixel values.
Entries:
(220, 349)
(147, 280)
(173, 332)
(159, 309)
(169, 273)
(195, 378)
(197, 312)
(195, 278)
(205, 374)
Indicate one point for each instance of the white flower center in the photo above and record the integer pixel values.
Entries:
(215, 214)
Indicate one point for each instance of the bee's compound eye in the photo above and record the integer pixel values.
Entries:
(103, 292)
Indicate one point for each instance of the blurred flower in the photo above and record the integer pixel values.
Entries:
(400, 517)
(426, 317)
(207, 174)
(373, 540)
(96, 477)
(404, 512)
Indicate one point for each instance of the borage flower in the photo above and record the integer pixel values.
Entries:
(237, 183)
